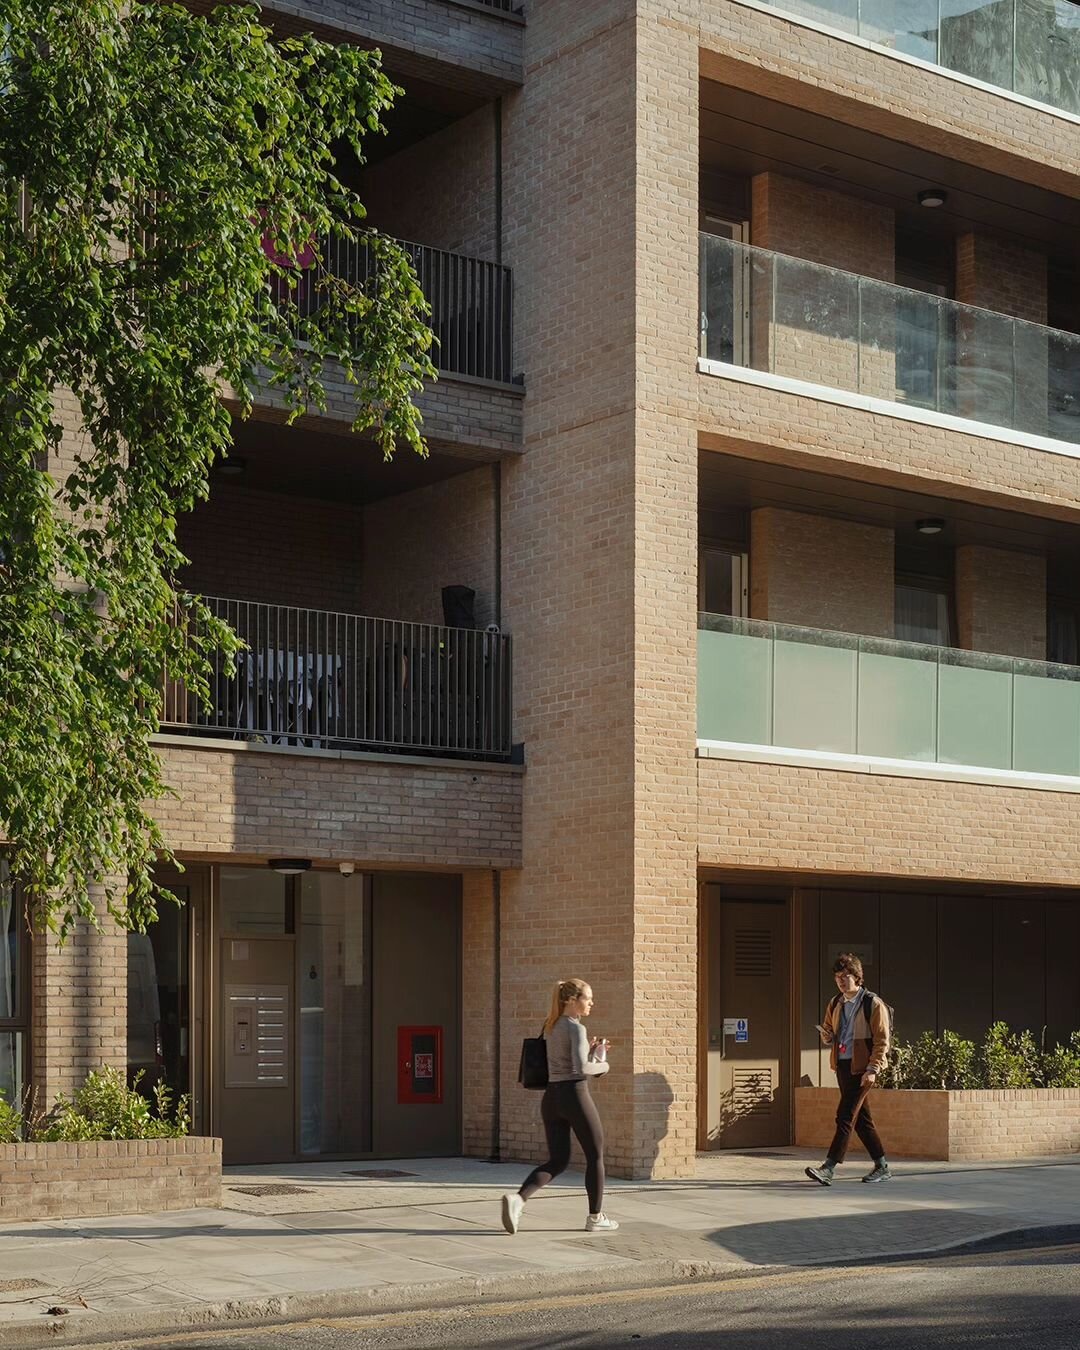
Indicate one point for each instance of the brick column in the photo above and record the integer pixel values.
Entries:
(821, 572)
(479, 1013)
(1003, 367)
(1001, 601)
(79, 1008)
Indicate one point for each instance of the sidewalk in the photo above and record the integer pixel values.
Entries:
(327, 1240)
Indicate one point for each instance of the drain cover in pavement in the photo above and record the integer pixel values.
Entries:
(378, 1173)
(272, 1188)
(20, 1286)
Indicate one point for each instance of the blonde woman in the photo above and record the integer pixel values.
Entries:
(568, 1106)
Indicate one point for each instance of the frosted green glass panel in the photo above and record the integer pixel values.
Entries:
(814, 702)
(1047, 734)
(975, 717)
(897, 707)
(734, 684)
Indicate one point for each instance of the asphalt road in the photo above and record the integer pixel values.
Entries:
(1023, 1294)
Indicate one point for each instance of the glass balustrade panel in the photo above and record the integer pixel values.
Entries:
(977, 39)
(734, 687)
(1046, 713)
(815, 323)
(974, 711)
(1048, 52)
(908, 26)
(898, 703)
(814, 694)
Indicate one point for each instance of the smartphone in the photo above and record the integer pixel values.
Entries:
(819, 1027)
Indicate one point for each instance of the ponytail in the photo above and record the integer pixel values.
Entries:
(562, 993)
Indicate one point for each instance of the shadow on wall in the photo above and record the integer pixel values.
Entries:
(653, 1096)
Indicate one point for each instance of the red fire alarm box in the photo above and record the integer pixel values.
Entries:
(419, 1066)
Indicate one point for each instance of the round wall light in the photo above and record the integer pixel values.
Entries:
(930, 525)
(290, 867)
(931, 197)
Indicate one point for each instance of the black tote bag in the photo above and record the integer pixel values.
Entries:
(533, 1068)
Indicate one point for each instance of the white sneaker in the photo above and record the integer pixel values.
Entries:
(600, 1223)
(512, 1205)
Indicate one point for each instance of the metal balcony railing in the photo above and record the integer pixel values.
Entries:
(771, 684)
(342, 681)
(1031, 47)
(471, 304)
(769, 312)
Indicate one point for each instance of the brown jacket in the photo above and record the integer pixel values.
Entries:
(869, 1035)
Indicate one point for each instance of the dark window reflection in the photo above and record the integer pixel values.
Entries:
(159, 1001)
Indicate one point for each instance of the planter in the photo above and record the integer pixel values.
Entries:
(114, 1176)
(983, 1124)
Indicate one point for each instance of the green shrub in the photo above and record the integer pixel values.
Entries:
(11, 1123)
(1008, 1059)
(106, 1108)
(1061, 1066)
(946, 1061)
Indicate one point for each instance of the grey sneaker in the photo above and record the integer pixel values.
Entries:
(512, 1205)
(600, 1223)
(823, 1175)
(880, 1172)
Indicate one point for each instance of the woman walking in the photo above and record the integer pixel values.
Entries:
(568, 1106)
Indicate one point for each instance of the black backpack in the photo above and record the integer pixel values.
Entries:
(533, 1066)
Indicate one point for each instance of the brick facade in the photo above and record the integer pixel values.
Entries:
(821, 572)
(1001, 601)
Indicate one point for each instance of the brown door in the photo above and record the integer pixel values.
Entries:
(748, 1088)
(257, 1063)
(416, 1069)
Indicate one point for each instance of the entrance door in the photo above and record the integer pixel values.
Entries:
(748, 1089)
(258, 1110)
(416, 1074)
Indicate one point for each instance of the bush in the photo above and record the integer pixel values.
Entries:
(105, 1107)
(1005, 1059)
(11, 1123)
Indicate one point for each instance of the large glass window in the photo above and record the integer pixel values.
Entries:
(254, 901)
(335, 1014)
(922, 614)
(159, 1000)
(14, 993)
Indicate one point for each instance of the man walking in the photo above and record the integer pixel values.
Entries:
(856, 1027)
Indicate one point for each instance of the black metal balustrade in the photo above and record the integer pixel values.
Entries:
(470, 299)
(343, 681)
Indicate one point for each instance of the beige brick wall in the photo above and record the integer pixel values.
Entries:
(79, 1008)
(442, 190)
(1003, 275)
(771, 55)
(953, 1126)
(274, 549)
(418, 542)
(479, 1014)
(833, 823)
(1001, 601)
(823, 226)
(247, 805)
(821, 572)
(113, 1176)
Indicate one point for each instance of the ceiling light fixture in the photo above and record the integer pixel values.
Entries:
(930, 525)
(933, 197)
(290, 867)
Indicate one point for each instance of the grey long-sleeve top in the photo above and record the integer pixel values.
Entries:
(568, 1053)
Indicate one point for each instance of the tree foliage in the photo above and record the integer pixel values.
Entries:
(146, 154)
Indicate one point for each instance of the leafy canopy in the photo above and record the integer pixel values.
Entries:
(146, 157)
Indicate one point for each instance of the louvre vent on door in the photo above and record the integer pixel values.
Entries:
(753, 953)
(752, 1092)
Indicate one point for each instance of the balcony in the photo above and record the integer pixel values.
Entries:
(471, 304)
(798, 320)
(1029, 47)
(322, 680)
(768, 684)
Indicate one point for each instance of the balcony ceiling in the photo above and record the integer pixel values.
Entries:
(744, 134)
(729, 487)
(301, 462)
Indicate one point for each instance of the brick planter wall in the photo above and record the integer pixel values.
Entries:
(985, 1124)
(115, 1176)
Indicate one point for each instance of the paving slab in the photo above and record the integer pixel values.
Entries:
(335, 1244)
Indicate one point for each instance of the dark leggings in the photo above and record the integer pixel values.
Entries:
(566, 1107)
(850, 1085)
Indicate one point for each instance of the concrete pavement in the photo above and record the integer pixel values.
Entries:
(342, 1238)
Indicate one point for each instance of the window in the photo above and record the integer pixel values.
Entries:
(722, 581)
(724, 297)
(14, 991)
(1063, 631)
(923, 612)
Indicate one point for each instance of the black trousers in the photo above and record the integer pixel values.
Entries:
(850, 1085)
(569, 1107)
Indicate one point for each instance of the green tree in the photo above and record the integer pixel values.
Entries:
(145, 156)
